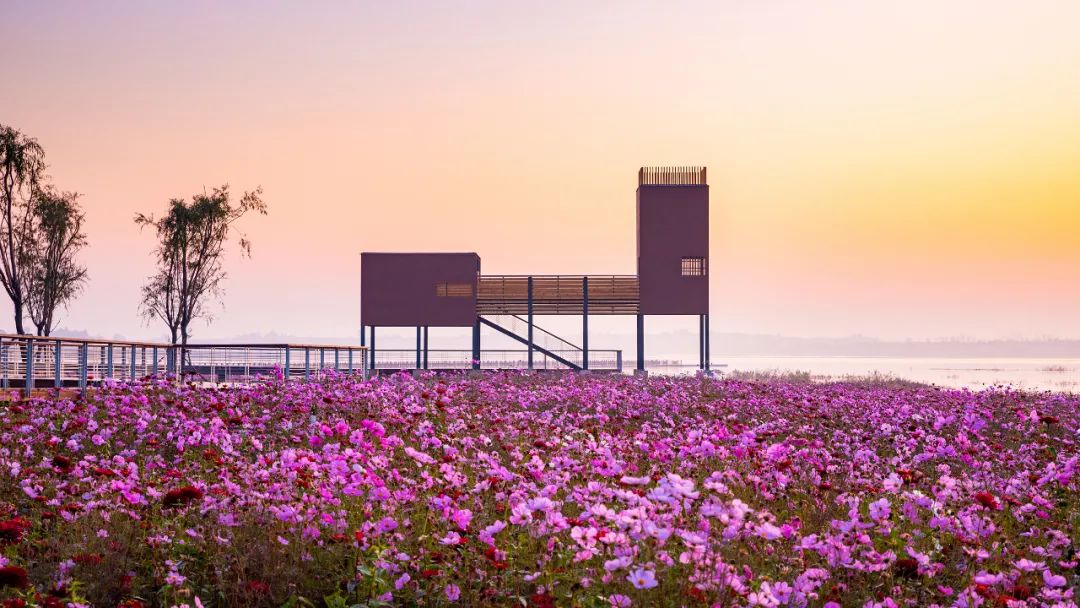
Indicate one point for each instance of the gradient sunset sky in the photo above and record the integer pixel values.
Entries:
(895, 169)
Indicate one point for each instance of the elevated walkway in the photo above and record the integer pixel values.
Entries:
(557, 295)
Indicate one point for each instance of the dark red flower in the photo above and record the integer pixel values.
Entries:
(542, 600)
(15, 602)
(13, 576)
(179, 496)
(695, 592)
(62, 463)
(987, 500)
(359, 536)
(87, 558)
(429, 573)
(906, 567)
(13, 530)
(257, 587)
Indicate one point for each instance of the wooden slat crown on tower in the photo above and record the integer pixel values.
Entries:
(672, 176)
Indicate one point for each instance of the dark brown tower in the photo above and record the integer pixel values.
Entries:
(673, 240)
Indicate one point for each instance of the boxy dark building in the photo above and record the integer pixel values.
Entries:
(448, 290)
(419, 289)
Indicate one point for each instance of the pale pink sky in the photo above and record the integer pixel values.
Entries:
(891, 169)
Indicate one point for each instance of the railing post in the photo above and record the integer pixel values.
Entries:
(4, 359)
(337, 359)
(28, 377)
(133, 368)
(618, 360)
(418, 336)
(84, 362)
(288, 362)
(425, 347)
(109, 368)
(56, 364)
(350, 361)
(322, 362)
(155, 364)
(307, 363)
(372, 347)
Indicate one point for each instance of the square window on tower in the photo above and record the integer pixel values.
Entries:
(693, 267)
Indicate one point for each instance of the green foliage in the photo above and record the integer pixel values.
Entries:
(191, 244)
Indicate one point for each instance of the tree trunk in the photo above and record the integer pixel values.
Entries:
(19, 317)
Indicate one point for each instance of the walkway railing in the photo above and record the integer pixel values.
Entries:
(444, 359)
(29, 362)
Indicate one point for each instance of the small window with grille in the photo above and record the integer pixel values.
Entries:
(693, 267)
(453, 290)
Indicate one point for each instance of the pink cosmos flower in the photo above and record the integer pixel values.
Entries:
(769, 531)
(452, 592)
(879, 510)
(462, 518)
(642, 578)
(1053, 580)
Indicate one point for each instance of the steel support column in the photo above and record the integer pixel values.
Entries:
(530, 338)
(701, 342)
(585, 323)
(706, 341)
(640, 342)
(476, 344)
(372, 366)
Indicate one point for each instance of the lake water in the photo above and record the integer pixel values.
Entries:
(1032, 374)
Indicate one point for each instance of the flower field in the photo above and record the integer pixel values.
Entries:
(540, 490)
